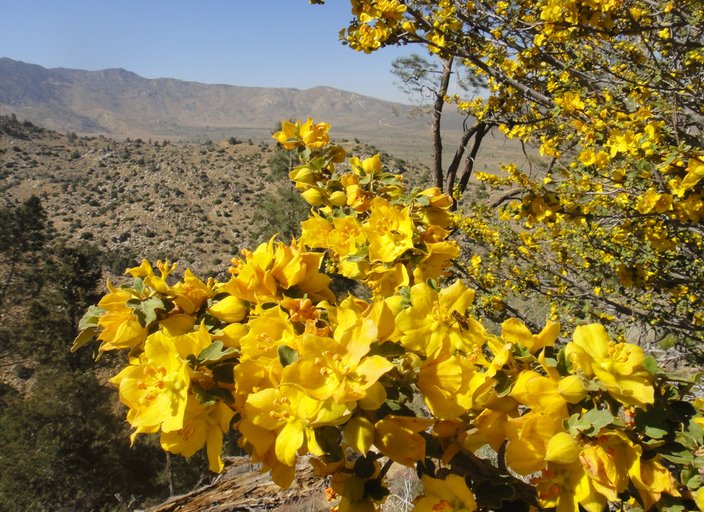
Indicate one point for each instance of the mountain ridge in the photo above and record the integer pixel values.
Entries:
(119, 102)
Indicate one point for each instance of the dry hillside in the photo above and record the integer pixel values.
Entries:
(144, 199)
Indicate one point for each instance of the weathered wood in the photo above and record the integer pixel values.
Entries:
(242, 487)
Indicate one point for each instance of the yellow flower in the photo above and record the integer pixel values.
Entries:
(156, 389)
(293, 415)
(383, 280)
(570, 101)
(274, 267)
(565, 487)
(515, 331)
(563, 448)
(314, 136)
(437, 321)
(439, 256)
(619, 366)
(308, 134)
(347, 236)
(230, 309)
(371, 165)
(315, 232)
(120, 327)
(444, 381)
(389, 230)
(190, 293)
(537, 392)
(610, 462)
(437, 198)
(260, 442)
(287, 135)
(652, 479)
(359, 434)
(529, 436)
(202, 425)
(267, 332)
(398, 438)
(353, 490)
(339, 367)
(699, 498)
(313, 196)
(695, 172)
(446, 495)
(146, 273)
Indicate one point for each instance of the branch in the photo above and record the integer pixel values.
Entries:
(437, 116)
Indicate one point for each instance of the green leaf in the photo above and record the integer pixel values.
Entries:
(653, 422)
(669, 503)
(388, 349)
(212, 395)
(84, 337)
(405, 293)
(359, 255)
(145, 310)
(564, 365)
(138, 285)
(287, 355)
(90, 318)
(677, 453)
(651, 364)
(694, 483)
(590, 423)
(215, 352)
(598, 419)
(317, 164)
(696, 432)
(576, 425)
(423, 200)
(503, 384)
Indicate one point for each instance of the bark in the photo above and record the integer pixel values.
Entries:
(437, 116)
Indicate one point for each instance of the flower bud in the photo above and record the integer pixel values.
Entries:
(230, 309)
(338, 198)
(572, 389)
(302, 175)
(563, 448)
(313, 196)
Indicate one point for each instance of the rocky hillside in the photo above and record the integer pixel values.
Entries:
(197, 203)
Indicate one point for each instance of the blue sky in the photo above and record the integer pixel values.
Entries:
(268, 43)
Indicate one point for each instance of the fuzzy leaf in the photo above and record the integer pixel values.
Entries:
(214, 352)
(84, 337)
(287, 355)
(91, 317)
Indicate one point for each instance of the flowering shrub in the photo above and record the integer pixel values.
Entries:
(400, 372)
(608, 92)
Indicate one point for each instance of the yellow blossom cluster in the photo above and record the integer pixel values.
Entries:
(374, 230)
(404, 373)
(609, 93)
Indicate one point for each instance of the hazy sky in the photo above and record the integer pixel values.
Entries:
(268, 43)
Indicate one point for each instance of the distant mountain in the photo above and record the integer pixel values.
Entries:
(122, 103)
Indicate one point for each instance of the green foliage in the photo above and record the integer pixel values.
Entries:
(71, 457)
(23, 231)
(63, 444)
(281, 208)
(280, 164)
